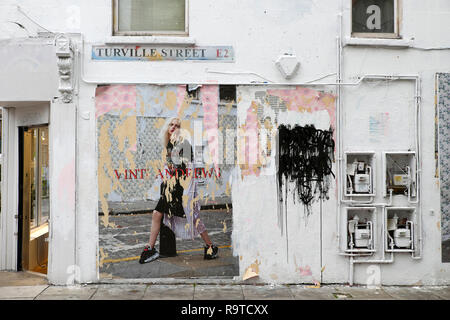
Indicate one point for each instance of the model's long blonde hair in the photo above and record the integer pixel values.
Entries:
(165, 135)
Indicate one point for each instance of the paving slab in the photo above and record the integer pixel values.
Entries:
(442, 292)
(411, 293)
(67, 293)
(302, 292)
(21, 292)
(218, 292)
(361, 293)
(267, 292)
(169, 292)
(119, 292)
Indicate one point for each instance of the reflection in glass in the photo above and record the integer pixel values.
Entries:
(38, 175)
(32, 178)
(43, 167)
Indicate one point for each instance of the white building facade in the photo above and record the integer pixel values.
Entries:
(370, 77)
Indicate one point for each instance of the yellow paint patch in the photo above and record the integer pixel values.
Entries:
(156, 57)
(195, 113)
(229, 106)
(252, 271)
(228, 189)
(315, 286)
(127, 131)
(171, 100)
(159, 123)
(224, 226)
(185, 200)
(103, 255)
(141, 102)
(186, 125)
(185, 105)
(106, 182)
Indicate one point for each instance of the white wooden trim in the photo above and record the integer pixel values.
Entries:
(8, 223)
(150, 40)
(61, 257)
(400, 43)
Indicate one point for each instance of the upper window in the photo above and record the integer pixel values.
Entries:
(150, 17)
(375, 18)
(227, 93)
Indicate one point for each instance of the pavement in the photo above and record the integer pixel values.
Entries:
(186, 276)
(30, 286)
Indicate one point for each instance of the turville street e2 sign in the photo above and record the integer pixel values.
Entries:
(160, 53)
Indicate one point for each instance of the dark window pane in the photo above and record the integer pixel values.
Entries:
(374, 16)
(227, 93)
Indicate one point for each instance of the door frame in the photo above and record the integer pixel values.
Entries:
(21, 238)
(15, 115)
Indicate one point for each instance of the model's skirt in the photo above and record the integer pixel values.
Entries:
(182, 217)
(171, 199)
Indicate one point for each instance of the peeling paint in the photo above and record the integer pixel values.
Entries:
(252, 271)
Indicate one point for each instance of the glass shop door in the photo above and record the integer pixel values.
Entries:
(34, 199)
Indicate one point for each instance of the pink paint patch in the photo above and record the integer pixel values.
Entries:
(309, 100)
(114, 97)
(249, 151)
(181, 95)
(210, 101)
(306, 271)
(133, 147)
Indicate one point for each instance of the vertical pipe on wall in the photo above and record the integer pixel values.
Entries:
(418, 100)
(338, 125)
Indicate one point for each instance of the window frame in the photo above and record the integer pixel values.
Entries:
(378, 35)
(116, 32)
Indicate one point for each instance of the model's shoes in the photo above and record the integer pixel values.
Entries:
(148, 255)
(210, 252)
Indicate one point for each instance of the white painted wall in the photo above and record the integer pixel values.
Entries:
(27, 65)
(62, 134)
(260, 31)
(397, 99)
(252, 28)
(422, 27)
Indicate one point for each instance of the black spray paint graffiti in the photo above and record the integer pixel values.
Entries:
(305, 158)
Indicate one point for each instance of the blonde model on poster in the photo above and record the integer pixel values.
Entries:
(183, 218)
